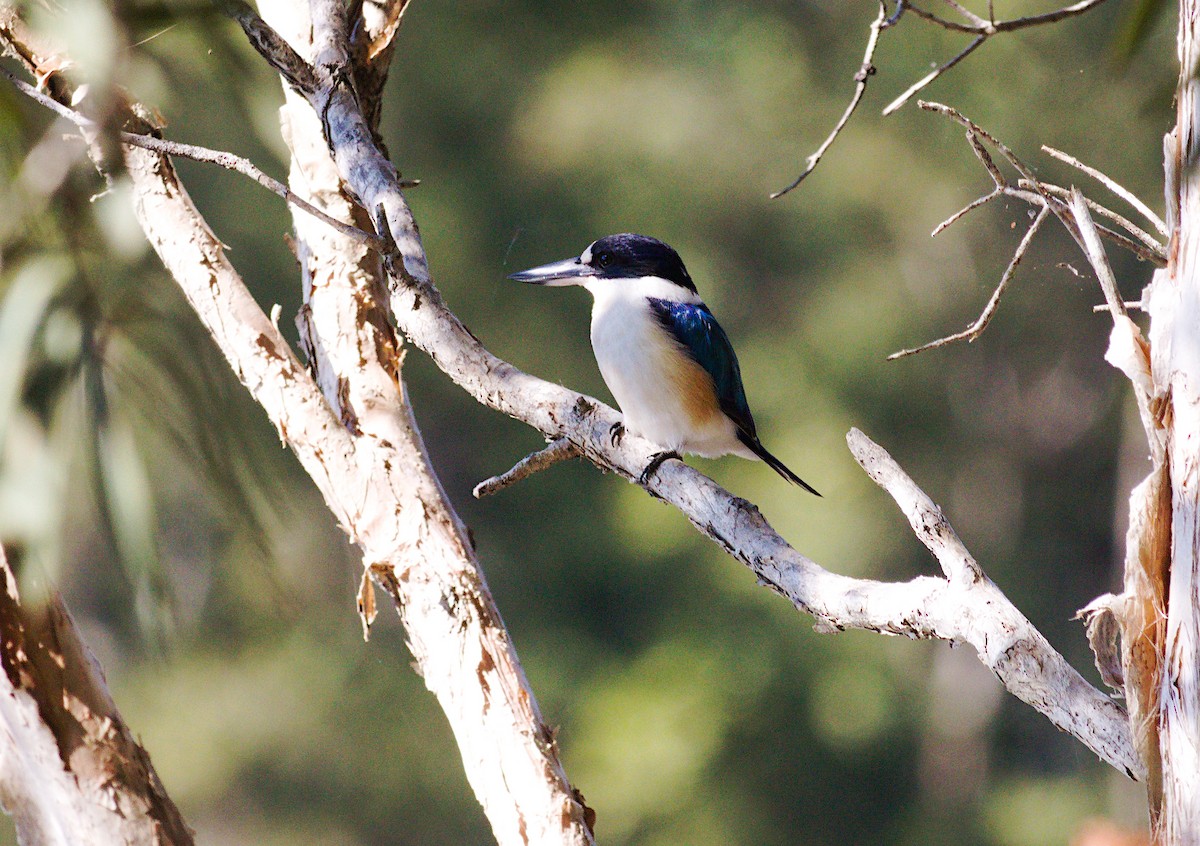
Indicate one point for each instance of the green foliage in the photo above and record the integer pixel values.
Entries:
(694, 707)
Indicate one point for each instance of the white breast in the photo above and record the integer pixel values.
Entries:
(656, 385)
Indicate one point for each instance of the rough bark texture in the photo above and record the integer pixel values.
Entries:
(70, 770)
(1176, 341)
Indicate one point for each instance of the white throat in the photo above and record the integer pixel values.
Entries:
(610, 291)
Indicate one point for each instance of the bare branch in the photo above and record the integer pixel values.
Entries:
(975, 25)
(1057, 15)
(933, 74)
(1046, 198)
(557, 450)
(985, 613)
(985, 159)
(71, 771)
(973, 18)
(979, 26)
(969, 207)
(1136, 306)
(976, 329)
(1156, 251)
(1095, 253)
(942, 22)
(229, 161)
(865, 72)
(278, 53)
(982, 30)
(1122, 192)
(1039, 193)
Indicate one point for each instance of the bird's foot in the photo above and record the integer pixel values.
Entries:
(656, 462)
(616, 433)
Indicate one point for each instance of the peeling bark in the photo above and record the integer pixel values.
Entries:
(70, 769)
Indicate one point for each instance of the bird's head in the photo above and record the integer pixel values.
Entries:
(617, 258)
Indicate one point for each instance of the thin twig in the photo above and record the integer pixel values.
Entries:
(1096, 309)
(942, 22)
(985, 158)
(1032, 190)
(982, 30)
(865, 72)
(991, 27)
(1095, 253)
(966, 13)
(557, 450)
(1122, 192)
(1059, 208)
(229, 161)
(1070, 207)
(933, 74)
(976, 329)
(1129, 226)
(971, 206)
(1047, 17)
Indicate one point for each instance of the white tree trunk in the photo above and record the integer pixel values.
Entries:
(1176, 303)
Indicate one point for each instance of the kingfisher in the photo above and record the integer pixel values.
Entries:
(664, 357)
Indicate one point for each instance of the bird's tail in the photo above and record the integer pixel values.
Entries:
(774, 463)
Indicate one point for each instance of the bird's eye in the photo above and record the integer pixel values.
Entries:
(604, 259)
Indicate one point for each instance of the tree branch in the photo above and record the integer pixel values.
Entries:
(1070, 207)
(865, 72)
(976, 329)
(229, 161)
(557, 450)
(1122, 192)
(925, 607)
(981, 28)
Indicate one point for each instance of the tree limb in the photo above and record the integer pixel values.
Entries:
(981, 28)
(924, 607)
(865, 72)
(1070, 207)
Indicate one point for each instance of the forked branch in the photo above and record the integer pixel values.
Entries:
(1071, 208)
(970, 24)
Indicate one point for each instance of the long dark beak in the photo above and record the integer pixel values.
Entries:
(565, 272)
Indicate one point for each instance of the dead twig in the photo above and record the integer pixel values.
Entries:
(560, 449)
(865, 72)
(1032, 190)
(991, 26)
(976, 329)
(1095, 254)
(982, 29)
(1069, 206)
(1158, 251)
(1122, 192)
(934, 74)
(972, 24)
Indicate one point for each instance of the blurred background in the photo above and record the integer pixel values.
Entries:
(693, 706)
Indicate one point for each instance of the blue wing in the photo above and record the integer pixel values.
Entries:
(699, 333)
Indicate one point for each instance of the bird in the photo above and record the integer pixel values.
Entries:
(666, 360)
